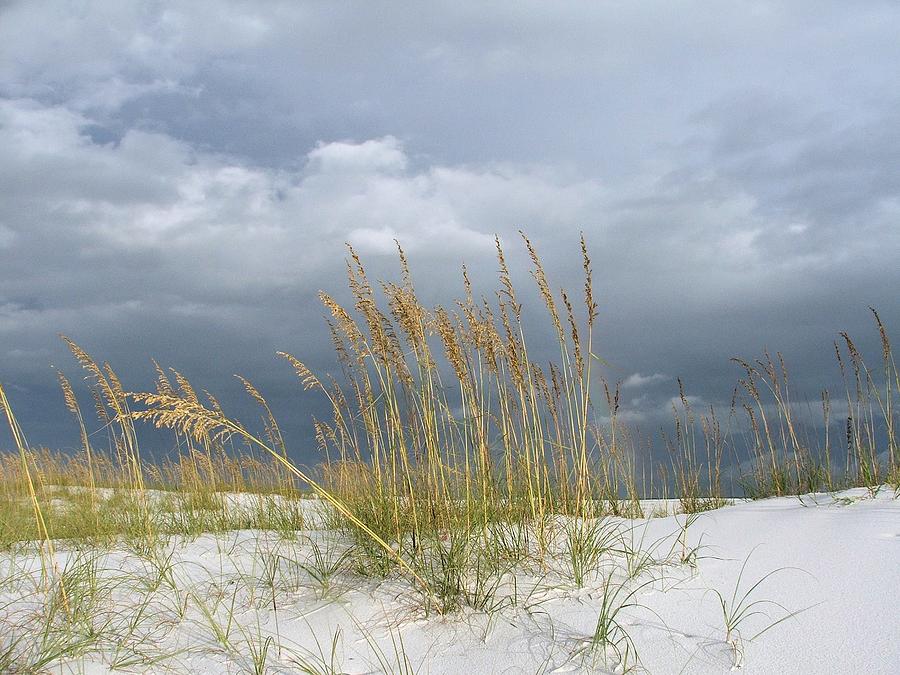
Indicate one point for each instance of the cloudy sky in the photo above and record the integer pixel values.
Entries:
(177, 180)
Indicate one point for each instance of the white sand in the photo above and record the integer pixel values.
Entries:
(845, 584)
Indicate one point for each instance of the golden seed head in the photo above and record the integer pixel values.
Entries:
(68, 393)
(506, 280)
(576, 341)
(307, 378)
(541, 279)
(187, 391)
(882, 331)
(163, 385)
(451, 343)
(588, 283)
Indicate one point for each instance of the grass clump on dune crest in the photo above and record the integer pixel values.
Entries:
(452, 460)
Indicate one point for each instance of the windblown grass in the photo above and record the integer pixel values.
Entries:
(450, 458)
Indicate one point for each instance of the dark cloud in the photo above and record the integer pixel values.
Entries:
(178, 180)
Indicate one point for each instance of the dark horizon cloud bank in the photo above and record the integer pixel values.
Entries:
(178, 181)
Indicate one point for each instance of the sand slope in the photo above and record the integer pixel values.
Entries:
(841, 554)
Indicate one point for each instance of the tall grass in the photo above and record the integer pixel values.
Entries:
(441, 426)
(449, 455)
(787, 460)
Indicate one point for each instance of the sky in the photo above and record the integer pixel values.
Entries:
(178, 180)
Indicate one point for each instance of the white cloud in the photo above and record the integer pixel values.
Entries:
(637, 381)
(213, 223)
(384, 154)
(207, 221)
(204, 162)
(7, 236)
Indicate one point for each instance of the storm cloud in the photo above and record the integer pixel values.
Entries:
(178, 180)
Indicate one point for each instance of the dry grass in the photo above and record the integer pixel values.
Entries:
(448, 456)
(441, 419)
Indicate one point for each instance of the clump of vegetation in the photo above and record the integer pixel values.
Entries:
(742, 606)
(784, 460)
(450, 457)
